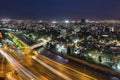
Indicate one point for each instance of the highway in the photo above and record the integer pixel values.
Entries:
(45, 72)
(27, 75)
(31, 65)
(66, 71)
(39, 44)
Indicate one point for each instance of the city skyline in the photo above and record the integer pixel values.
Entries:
(60, 9)
(59, 40)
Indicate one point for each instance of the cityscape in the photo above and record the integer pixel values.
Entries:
(59, 40)
(34, 50)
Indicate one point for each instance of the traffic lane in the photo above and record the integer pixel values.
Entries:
(27, 66)
(45, 72)
(32, 68)
(65, 70)
(13, 53)
(18, 67)
(58, 68)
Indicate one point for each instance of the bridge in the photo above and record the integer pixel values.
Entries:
(39, 44)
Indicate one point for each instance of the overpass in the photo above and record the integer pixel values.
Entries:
(39, 44)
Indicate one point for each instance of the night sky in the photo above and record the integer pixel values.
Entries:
(60, 9)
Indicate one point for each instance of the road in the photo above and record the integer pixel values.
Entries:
(45, 72)
(67, 72)
(49, 69)
(27, 75)
(39, 44)
(31, 65)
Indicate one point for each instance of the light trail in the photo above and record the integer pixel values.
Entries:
(87, 76)
(39, 44)
(52, 69)
(18, 67)
(10, 77)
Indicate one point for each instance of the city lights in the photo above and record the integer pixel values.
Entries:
(67, 21)
(40, 21)
(54, 22)
(60, 40)
(94, 43)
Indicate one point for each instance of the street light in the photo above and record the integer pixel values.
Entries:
(67, 21)
(118, 66)
(75, 40)
(54, 22)
(40, 21)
